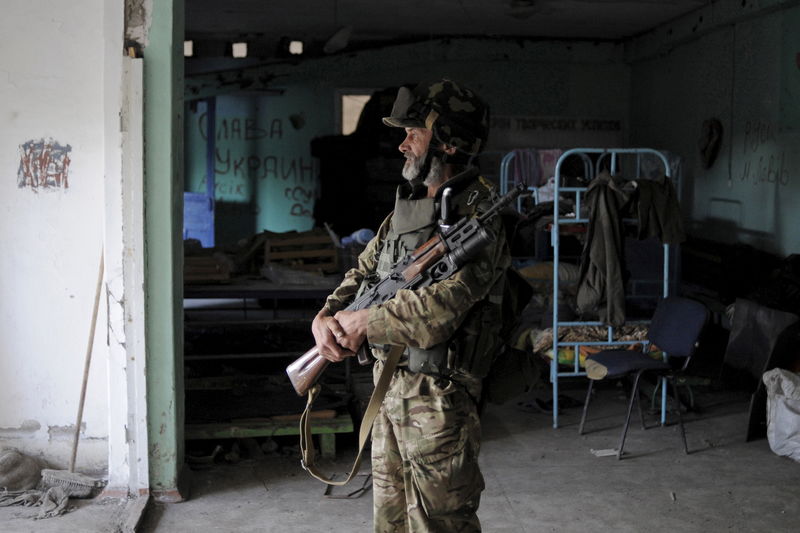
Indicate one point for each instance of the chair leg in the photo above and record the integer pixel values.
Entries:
(586, 406)
(634, 392)
(639, 405)
(674, 384)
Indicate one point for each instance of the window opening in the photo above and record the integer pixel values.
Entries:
(351, 103)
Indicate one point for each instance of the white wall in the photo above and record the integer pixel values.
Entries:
(746, 74)
(52, 87)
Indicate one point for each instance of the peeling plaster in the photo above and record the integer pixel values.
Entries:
(63, 432)
(138, 16)
(115, 311)
(27, 429)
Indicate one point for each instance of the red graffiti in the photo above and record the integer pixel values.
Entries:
(43, 164)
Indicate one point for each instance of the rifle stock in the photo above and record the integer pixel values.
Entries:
(305, 370)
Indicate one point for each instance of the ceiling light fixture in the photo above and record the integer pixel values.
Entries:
(296, 48)
(188, 48)
(239, 50)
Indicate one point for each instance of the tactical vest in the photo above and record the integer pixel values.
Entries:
(413, 223)
(471, 348)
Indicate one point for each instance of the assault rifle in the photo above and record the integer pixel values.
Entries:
(439, 258)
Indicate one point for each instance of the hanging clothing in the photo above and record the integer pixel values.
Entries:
(658, 211)
(603, 258)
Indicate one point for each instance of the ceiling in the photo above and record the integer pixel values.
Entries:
(364, 23)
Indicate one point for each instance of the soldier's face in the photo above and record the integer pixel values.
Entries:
(414, 148)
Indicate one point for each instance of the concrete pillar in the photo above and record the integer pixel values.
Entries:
(163, 127)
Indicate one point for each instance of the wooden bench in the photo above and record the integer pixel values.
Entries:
(325, 427)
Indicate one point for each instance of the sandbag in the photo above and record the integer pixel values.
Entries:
(18, 471)
(783, 412)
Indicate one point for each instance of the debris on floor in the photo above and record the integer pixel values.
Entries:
(24, 482)
(606, 452)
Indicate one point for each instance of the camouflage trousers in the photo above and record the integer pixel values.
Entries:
(425, 444)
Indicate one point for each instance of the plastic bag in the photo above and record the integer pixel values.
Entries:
(783, 412)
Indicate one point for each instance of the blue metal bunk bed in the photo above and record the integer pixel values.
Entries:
(574, 218)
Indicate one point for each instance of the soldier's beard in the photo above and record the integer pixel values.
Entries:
(413, 165)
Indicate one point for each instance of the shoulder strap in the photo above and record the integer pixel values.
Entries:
(375, 402)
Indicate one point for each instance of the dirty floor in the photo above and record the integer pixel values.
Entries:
(538, 479)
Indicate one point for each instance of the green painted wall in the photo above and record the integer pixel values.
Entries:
(163, 109)
(270, 187)
(747, 75)
(265, 176)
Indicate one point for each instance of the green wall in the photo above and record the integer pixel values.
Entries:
(747, 75)
(163, 115)
(518, 78)
(265, 176)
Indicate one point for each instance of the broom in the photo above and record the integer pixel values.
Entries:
(78, 485)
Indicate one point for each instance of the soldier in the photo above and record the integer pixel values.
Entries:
(426, 437)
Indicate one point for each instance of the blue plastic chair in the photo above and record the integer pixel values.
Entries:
(675, 329)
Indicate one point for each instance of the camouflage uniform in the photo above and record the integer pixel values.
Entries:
(426, 438)
(425, 445)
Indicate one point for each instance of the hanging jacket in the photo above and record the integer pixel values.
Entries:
(658, 211)
(601, 286)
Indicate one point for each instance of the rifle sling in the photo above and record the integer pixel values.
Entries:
(375, 402)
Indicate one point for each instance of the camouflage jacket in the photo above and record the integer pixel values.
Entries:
(428, 316)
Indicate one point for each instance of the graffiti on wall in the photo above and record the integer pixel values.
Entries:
(763, 159)
(239, 164)
(234, 175)
(43, 164)
(240, 128)
(508, 132)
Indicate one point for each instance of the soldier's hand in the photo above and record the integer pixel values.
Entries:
(354, 325)
(326, 331)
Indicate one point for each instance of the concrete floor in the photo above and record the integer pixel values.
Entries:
(537, 480)
(100, 515)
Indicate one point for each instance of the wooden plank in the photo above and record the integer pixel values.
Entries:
(310, 251)
(229, 382)
(322, 413)
(266, 428)
(302, 254)
(316, 267)
(261, 355)
(205, 269)
(299, 241)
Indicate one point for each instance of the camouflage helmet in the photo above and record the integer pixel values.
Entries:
(455, 114)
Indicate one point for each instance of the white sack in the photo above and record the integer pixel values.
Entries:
(783, 412)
